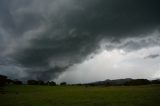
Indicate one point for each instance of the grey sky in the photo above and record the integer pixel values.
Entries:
(44, 39)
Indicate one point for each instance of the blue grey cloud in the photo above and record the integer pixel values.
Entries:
(152, 56)
(44, 38)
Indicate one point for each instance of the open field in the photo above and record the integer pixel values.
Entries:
(25, 95)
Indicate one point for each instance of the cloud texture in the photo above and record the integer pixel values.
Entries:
(44, 38)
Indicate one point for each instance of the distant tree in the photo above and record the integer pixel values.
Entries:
(51, 83)
(77, 84)
(9, 81)
(3, 80)
(108, 84)
(40, 82)
(63, 83)
(17, 82)
(32, 82)
(155, 81)
(138, 82)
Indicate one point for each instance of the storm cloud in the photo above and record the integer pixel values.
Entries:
(44, 38)
(152, 56)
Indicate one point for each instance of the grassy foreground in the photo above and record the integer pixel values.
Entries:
(25, 95)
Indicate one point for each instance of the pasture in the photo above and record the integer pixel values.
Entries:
(27, 95)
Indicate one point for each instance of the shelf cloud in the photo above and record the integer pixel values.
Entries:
(45, 38)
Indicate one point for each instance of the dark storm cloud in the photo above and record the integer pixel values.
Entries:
(47, 37)
(152, 56)
(111, 16)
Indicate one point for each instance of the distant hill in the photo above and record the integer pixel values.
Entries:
(111, 82)
(127, 81)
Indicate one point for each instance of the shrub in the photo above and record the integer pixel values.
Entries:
(32, 82)
(3, 80)
(138, 82)
(17, 82)
(63, 83)
(155, 81)
(51, 83)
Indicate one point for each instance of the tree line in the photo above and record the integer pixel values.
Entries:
(4, 80)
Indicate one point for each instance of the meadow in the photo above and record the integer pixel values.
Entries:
(28, 95)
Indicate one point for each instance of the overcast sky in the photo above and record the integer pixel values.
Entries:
(79, 40)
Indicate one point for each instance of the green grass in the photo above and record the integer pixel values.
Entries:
(81, 96)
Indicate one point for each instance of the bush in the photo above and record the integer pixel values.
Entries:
(3, 80)
(63, 83)
(155, 81)
(17, 82)
(32, 82)
(138, 82)
(40, 82)
(51, 83)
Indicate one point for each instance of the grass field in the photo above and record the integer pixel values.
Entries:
(24, 95)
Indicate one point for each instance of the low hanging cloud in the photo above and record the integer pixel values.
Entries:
(44, 38)
(114, 64)
(152, 56)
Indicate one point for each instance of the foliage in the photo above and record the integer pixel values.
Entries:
(63, 83)
(17, 82)
(3, 80)
(51, 83)
(155, 81)
(32, 82)
(138, 82)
